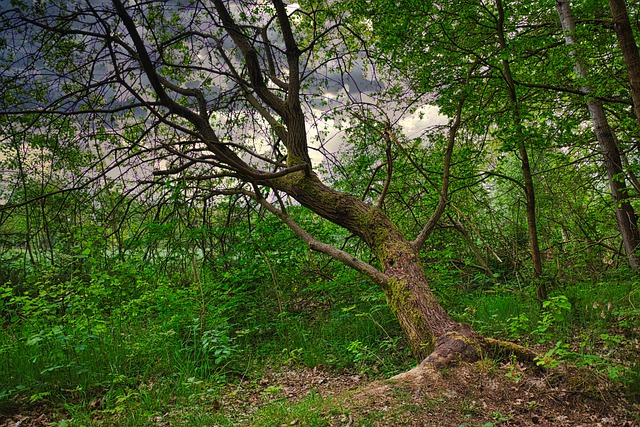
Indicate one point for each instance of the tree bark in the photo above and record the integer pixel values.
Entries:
(429, 329)
(629, 49)
(625, 215)
(529, 189)
(410, 299)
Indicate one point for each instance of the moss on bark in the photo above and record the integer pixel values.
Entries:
(429, 329)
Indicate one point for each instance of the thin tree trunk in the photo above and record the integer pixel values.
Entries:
(47, 231)
(625, 215)
(629, 49)
(633, 179)
(27, 215)
(480, 258)
(529, 189)
(532, 228)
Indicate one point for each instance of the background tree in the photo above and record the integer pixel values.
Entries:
(629, 49)
(519, 52)
(625, 214)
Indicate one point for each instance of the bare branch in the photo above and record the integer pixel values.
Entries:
(347, 259)
(387, 181)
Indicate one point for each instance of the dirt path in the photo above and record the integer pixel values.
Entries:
(480, 394)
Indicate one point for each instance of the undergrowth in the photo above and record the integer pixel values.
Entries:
(591, 324)
(134, 342)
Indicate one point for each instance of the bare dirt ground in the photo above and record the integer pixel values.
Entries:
(480, 394)
(483, 394)
(29, 417)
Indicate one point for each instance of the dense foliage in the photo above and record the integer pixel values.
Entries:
(98, 325)
(137, 267)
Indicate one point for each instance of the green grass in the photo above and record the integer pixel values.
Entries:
(164, 348)
(312, 411)
(155, 400)
(343, 338)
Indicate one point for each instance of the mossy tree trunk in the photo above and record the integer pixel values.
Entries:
(400, 275)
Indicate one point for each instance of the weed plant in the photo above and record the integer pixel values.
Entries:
(131, 341)
(134, 345)
(586, 323)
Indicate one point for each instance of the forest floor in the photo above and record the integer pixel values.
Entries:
(484, 394)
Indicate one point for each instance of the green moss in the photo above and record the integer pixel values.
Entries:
(399, 300)
(506, 349)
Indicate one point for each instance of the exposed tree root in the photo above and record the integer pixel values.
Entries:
(506, 349)
(466, 393)
(465, 345)
(459, 345)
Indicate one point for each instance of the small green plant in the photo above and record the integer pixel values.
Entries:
(499, 417)
(555, 312)
(519, 325)
(273, 391)
(362, 355)
(554, 356)
(514, 372)
(292, 356)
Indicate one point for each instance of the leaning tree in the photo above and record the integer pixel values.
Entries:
(219, 94)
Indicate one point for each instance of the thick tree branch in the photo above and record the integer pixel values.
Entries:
(273, 75)
(580, 92)
(251, 59)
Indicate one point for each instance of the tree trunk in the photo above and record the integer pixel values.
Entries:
(536, 259)
(429, 329)
(629, 49)
(625, 215)
(410, 299)
(529, 190)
